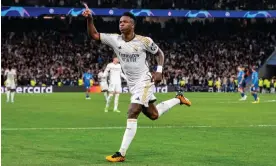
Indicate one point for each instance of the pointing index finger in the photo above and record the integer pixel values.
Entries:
(85, 5)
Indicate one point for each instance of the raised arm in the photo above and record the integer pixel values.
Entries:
(91, 29)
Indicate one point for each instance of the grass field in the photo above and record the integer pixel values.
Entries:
(67, 130)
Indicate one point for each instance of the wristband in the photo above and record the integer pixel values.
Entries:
(159, 69)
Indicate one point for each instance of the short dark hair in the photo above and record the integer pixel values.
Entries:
(129, 14)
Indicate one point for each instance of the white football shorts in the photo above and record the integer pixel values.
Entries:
(115, 88)
(10, 84)
(104, 86)
(142, 93)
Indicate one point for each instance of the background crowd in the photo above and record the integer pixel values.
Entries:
(58, 51)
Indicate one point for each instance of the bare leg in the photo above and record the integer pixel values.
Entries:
(154, 112)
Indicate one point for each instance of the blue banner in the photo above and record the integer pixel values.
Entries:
(38, 11)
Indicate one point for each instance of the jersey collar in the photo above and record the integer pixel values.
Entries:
(130, 39)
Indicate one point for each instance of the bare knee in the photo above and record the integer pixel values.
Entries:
(132, 114)
(154, 116)
(151, 112)
(134, 111)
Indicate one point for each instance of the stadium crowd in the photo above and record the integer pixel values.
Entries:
(57, 52)
(153, 4)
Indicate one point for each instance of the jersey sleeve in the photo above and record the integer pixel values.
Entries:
(150, 46)
(108, 39)
(107, 69)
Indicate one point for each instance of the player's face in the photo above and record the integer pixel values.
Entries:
(238, 68)
(126, 24)
(115, 60)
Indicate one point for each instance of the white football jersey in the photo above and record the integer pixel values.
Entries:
(101, 77)
(11, 74)
(115, 73)
(132, 55)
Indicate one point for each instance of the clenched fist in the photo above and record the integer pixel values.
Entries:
(157, 77)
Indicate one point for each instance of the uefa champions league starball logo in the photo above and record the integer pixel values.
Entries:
(111, 12)
(227, 14)
(51, 11)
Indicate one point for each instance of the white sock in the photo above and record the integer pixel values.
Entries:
(166, 106)
(12, 96)
(105, 96)
(108, 100)
(129, 135)
(116, 101)
(8, 95)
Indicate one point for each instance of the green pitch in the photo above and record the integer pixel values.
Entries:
(67, 130)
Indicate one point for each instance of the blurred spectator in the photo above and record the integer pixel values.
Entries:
(56, 52)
